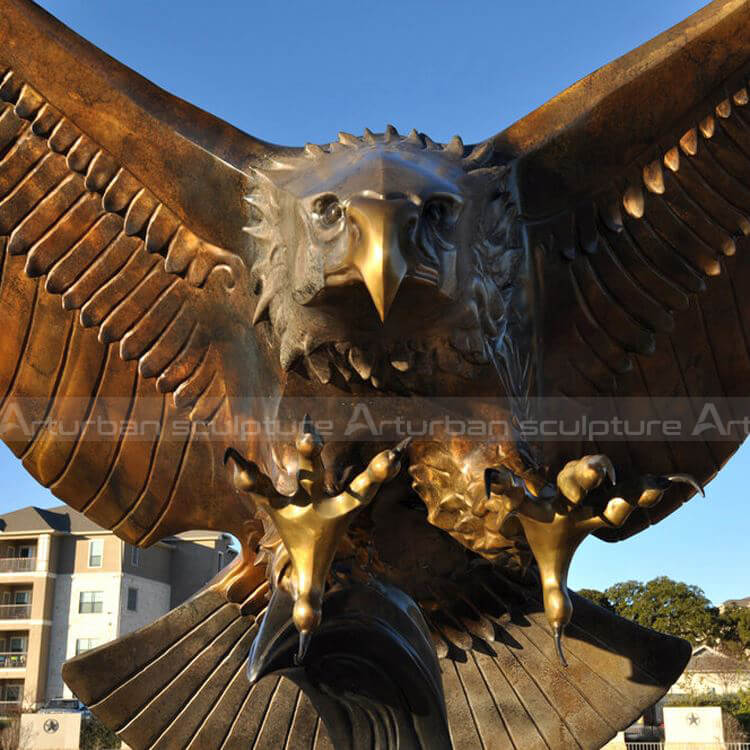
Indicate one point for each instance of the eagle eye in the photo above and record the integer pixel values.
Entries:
(436, 212)
(442, 211)
(328, 210)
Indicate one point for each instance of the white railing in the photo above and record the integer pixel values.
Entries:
(16, 564)
(644, 735)
(9, 707)
(15, 611)
(12, 660)
(688, 746)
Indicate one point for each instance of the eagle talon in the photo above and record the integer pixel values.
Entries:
(305, 637)
(558, 631)
(687, 479)
(312, 522)
(400, 449)
(555, 526)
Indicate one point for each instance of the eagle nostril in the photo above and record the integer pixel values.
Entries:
(355, 232)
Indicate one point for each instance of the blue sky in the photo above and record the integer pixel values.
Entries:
(292, 72)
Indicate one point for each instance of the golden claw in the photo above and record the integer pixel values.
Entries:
(312, 523)
(555, 526)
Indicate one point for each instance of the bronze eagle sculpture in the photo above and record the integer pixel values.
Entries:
(230, 302)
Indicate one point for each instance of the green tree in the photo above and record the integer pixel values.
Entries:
(623, 597)
(737, 619)
(743, 707)
(95, 736)
(667, 606)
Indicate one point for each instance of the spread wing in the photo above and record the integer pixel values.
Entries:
(124, 285)
(634, 190)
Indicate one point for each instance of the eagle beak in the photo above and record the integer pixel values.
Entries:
(384, 228)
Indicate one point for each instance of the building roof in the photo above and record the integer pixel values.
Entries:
(199, 534)
(737, 602)
(61, 518)
(66, 520)
(707, 659)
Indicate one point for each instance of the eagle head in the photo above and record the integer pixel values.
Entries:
(378, 256)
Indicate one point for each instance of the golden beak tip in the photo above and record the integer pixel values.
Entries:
(382, 301)
(382, 312)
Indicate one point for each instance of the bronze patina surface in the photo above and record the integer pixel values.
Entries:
(163, 270)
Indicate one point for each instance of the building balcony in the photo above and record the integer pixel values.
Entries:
(10, 708)
(17, 564)
(15, 611)
(13, 660)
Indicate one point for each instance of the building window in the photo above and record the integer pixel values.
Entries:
(17, 644)
(90, 602)
(135, 556)
(220, 561)
(95, 553)
(132, 600)
(22, 597)
(85, 644)
(11, 692)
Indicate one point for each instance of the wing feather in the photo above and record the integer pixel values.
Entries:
(120, 324)
(635, 185)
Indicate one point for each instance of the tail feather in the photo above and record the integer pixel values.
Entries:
(181, 682)
(513, 693)
(201, 687)
(116, 662)
(173, 675)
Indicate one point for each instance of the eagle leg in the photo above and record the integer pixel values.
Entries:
(313, 521)
(558, 520)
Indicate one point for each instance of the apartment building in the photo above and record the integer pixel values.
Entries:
(66, 586)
